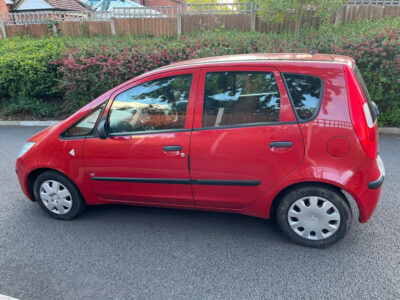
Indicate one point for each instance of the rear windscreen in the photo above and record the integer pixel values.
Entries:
(366, 93)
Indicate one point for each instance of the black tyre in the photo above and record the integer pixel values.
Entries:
(314, 215)
(58, 196)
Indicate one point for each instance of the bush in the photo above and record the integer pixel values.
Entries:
(25, 68)
(87, 67)
(28, 108)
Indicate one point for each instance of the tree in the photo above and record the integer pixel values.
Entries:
(220, 5)
(274, 11)
(202, 3)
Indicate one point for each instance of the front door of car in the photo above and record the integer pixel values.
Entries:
(245, 136)
(145, 157)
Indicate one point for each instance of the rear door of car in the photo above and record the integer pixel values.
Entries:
(245, 136)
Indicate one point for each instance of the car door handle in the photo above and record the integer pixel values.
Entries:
(172, 148)
(280, 144)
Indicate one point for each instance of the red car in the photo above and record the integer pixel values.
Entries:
(259, 134)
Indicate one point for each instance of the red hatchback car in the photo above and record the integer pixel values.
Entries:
(257, 134)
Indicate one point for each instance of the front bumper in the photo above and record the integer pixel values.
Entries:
(22, 174)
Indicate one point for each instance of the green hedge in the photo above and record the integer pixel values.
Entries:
(26, 69)
(80, 69)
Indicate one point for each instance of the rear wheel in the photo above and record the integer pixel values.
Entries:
(58, 196)
(314, 216)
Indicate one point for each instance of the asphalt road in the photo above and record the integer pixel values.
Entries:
(150, 253)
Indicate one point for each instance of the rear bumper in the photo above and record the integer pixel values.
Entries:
(373, 185)
(371, 194)
(376, 184)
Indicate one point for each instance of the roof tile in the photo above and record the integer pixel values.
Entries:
(67, 4)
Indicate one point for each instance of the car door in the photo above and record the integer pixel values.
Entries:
(145, 157)
(245, 138)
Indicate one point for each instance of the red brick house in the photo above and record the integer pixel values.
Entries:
(5, 6)
(151, 3)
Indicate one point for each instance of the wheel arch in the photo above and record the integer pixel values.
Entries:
(346, 196)
(35, 173)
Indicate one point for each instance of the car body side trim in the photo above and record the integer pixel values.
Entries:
(181, 181)
(226, 182)
(143, 180)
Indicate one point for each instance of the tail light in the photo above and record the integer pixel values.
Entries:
(363, 122)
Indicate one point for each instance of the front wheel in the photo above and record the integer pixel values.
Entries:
(58, 196)
(314, 216)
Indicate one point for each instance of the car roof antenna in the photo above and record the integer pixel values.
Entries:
(315, 48)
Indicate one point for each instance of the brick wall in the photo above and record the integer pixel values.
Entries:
(3, 7)
(152, 3)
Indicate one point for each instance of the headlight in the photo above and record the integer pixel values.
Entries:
(25, 148)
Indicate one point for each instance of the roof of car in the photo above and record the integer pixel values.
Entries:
(263, 57)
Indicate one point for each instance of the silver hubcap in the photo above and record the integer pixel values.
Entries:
(55, 197)
(314, 218)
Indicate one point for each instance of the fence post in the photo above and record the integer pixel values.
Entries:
(179, 24)
(112, 24)
(338, 16)
(253, 20)
(3, 30)
(53, 23)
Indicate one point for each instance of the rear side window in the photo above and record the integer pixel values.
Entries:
(306, 93)
(235, 98)
(367, 96)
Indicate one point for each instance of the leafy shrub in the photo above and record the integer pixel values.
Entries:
(30, 108)
(379, 61)
(25, 68)
(87, 71)
(80, 69)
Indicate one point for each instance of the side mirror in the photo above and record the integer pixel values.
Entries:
(102, 128)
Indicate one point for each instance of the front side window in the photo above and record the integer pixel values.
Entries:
(85, 126)
(155, 105)
(305, 92)
(235, 98)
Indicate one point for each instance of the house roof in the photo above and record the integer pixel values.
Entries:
(107, 5)
(75, 5)
(67, 4)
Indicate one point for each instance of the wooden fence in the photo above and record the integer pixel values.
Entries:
(351, 13)
(173, 21)
(289, 24)
(202, 22)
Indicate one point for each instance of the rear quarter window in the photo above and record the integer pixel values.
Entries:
(306, 93)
